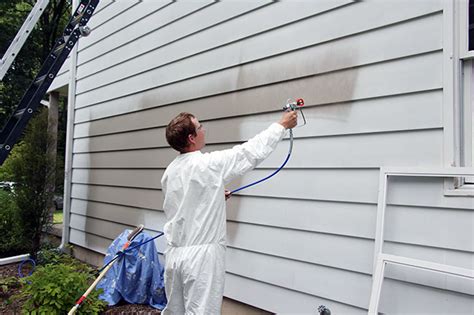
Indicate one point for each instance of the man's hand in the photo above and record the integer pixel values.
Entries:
(227, 194)
(289, 119)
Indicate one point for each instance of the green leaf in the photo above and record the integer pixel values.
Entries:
(55, 287)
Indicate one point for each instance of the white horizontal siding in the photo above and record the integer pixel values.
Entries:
(319, 185)
(331, 217)
(371, 47)
(158, 36)
(424, 192)
(108, 20)
(386, 114)
(119, 177)
(232, 80)
(233, 29)
(404, 225)
(126, 29)
(329, 283)
(99, 12)
(93, 242)
(279, 300)
(399, 76)
(141, 198)
(126, 215)
(150, 158)
(372, 150)
(342, 252)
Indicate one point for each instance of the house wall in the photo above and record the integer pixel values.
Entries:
(372, 76)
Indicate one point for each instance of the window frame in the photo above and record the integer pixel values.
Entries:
(458, 88)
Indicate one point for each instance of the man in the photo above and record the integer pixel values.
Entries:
(194, 204)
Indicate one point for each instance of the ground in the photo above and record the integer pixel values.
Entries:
(15, 307)
(58, 217)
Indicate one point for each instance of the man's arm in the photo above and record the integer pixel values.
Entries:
(244, 157)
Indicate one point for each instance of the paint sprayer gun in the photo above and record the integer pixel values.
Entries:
(290, 106)
(295, 105)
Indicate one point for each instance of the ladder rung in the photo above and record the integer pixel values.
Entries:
(77, 19)
(59, 48)
(40, 79)
(19, 113)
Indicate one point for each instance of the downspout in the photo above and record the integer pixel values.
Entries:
(69, 144)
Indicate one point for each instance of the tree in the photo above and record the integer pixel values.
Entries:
(33, 53)
(28, 165)
(32, 168)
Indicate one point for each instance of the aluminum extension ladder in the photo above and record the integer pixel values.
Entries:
(21, 36)
(76, 27)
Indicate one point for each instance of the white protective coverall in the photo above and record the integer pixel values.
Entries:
(194, 204)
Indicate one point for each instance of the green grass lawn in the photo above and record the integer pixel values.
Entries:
(58, 217)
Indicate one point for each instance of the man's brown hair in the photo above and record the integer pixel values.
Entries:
(178, 130)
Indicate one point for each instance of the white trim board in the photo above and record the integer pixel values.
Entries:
(384, 259)
(381, 259)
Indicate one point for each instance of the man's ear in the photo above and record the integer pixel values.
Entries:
(191, 139)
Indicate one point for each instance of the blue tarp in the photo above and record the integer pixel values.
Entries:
(137, 276)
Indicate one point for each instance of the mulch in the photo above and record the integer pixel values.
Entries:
(8, 306)
(134, 309)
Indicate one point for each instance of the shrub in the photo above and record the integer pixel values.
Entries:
(49, 255)
(54, 289)
(32, 169)
(12, 237)
(54, 256)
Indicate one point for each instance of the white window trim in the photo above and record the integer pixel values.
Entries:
(381, 259)
(467, 117)
(455, 57)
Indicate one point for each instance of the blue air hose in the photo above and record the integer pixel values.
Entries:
(274, 173)
(20, 266)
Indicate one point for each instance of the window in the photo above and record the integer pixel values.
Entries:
(459, 89)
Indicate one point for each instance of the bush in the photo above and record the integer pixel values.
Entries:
(32, 169)
(54, 289)
(49, 255)
(54, 256)
(12, 237)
